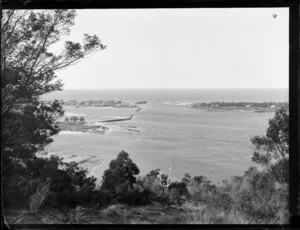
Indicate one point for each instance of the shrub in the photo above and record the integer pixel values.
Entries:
(155, 187)
(69, 184)
(257, 197)
(178, 192)
(137, 197)
(99, 199)
(221, 201)
(201, 190)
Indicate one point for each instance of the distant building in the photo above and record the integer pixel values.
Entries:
(248, 106)
(74, 118)
(272, 106)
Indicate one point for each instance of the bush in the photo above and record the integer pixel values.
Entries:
(201, 190)
(63, 200)
(258, 199)
(178, 193)
(99, 199)
(69, 185)
(155, 185)
(221, 201)
(137, 197)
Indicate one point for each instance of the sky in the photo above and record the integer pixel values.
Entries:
(182, 48)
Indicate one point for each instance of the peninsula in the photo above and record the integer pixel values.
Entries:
(100, 103)
(247, 106)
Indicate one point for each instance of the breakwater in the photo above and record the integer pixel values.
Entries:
(119, 119)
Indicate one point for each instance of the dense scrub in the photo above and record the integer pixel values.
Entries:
(251, 198)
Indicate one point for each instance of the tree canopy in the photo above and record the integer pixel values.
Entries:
(272, 150)
(28, 70)
(121, 174)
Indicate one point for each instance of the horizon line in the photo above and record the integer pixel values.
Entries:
(169, 88)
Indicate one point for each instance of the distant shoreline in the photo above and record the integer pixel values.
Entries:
(78, 124)
(104, 103)
(160, 94)
(258, 107)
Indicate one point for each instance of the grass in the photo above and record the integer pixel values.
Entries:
(124, 214)
(114, 214)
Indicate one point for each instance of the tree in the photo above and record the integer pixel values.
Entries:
(26, 133)
(28, 70)
(272, 150)
(120, 177)
(27, 64)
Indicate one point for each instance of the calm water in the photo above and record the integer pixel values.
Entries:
(181, 95)
(215, 144)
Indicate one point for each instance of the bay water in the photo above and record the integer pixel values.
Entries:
(166, 134)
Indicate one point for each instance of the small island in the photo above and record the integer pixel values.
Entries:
(100, 103)
(245, 106)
